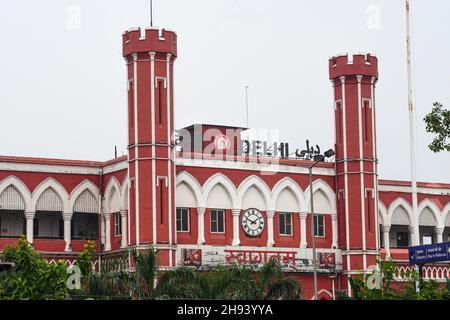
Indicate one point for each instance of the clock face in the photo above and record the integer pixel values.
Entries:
(253, 222)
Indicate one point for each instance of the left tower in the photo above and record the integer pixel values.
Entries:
(150, 55)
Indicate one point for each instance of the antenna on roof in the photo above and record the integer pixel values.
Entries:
(115, 152)
(151, 13)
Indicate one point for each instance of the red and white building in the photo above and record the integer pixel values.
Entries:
(210, 203)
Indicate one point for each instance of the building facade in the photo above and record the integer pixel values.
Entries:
(204, 196)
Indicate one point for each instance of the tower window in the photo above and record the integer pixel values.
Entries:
(131, 104)
(339, 122)
(366, 107)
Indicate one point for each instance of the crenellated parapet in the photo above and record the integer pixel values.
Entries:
(147, 40)
(358, 64)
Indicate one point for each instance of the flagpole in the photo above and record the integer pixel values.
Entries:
(412, 136)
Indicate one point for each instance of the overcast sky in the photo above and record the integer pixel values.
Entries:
(63, 85)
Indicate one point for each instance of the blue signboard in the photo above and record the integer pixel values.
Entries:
(429, 253)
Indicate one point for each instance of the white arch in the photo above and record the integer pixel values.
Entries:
(258, 183)
(290, 184)
(192, 183)
(323, 291)
(55, 186)
(20, 187)
(320, 185)
(446, 213)
(383, 213)
(427, 203)
(79, 189)
(112, 186)
(400, 202)
(225, 182)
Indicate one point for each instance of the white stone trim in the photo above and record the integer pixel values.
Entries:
(407, 189)
(290, 184)
(399, 202)
(260, 185)
(20, 187)
(320, 185)
(361, 169)
(55, 186)
(226, 183)
(78, 191)
(251, 166)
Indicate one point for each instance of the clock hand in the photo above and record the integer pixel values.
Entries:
(253, 221)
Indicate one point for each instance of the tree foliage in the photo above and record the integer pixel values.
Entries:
(438, 123)
(389, 289)
(32, 277)
(235, 282)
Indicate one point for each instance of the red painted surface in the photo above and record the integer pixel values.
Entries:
(150, 169)
(354, 83)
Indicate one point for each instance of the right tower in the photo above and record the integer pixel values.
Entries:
(354, 80)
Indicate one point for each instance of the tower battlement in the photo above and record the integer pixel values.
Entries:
(361, 64)
(151, 39)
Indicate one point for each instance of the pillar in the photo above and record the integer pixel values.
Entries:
(123, 217)
(201, 225)
(107, 217)
(29, 216)
(270, 240)
(236, 213)
(439, 234)
(67, 217)
(413, 239)
(334, 230)
(386, 240)
(303, 242)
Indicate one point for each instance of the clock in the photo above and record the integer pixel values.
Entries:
(252, 222)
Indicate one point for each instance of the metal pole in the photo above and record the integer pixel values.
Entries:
(313, 231)
(246, 103)
(151, 13)
(412, 136)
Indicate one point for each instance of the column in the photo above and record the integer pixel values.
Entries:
(236, 214)
(412, 236)
(29, 216)
(334, 228)
(107, 217)
(303, 242)
(201, 225)
(270, 240)
(123, 218)
(439, 234)
(386, 240)
(67, 217)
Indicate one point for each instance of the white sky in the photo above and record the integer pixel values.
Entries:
(62, 79)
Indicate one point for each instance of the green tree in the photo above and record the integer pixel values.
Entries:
(84, 261)
(438, 123)
(32, 277)
(235, 282)
(145, 271)
(389, 289)
(272, 284)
